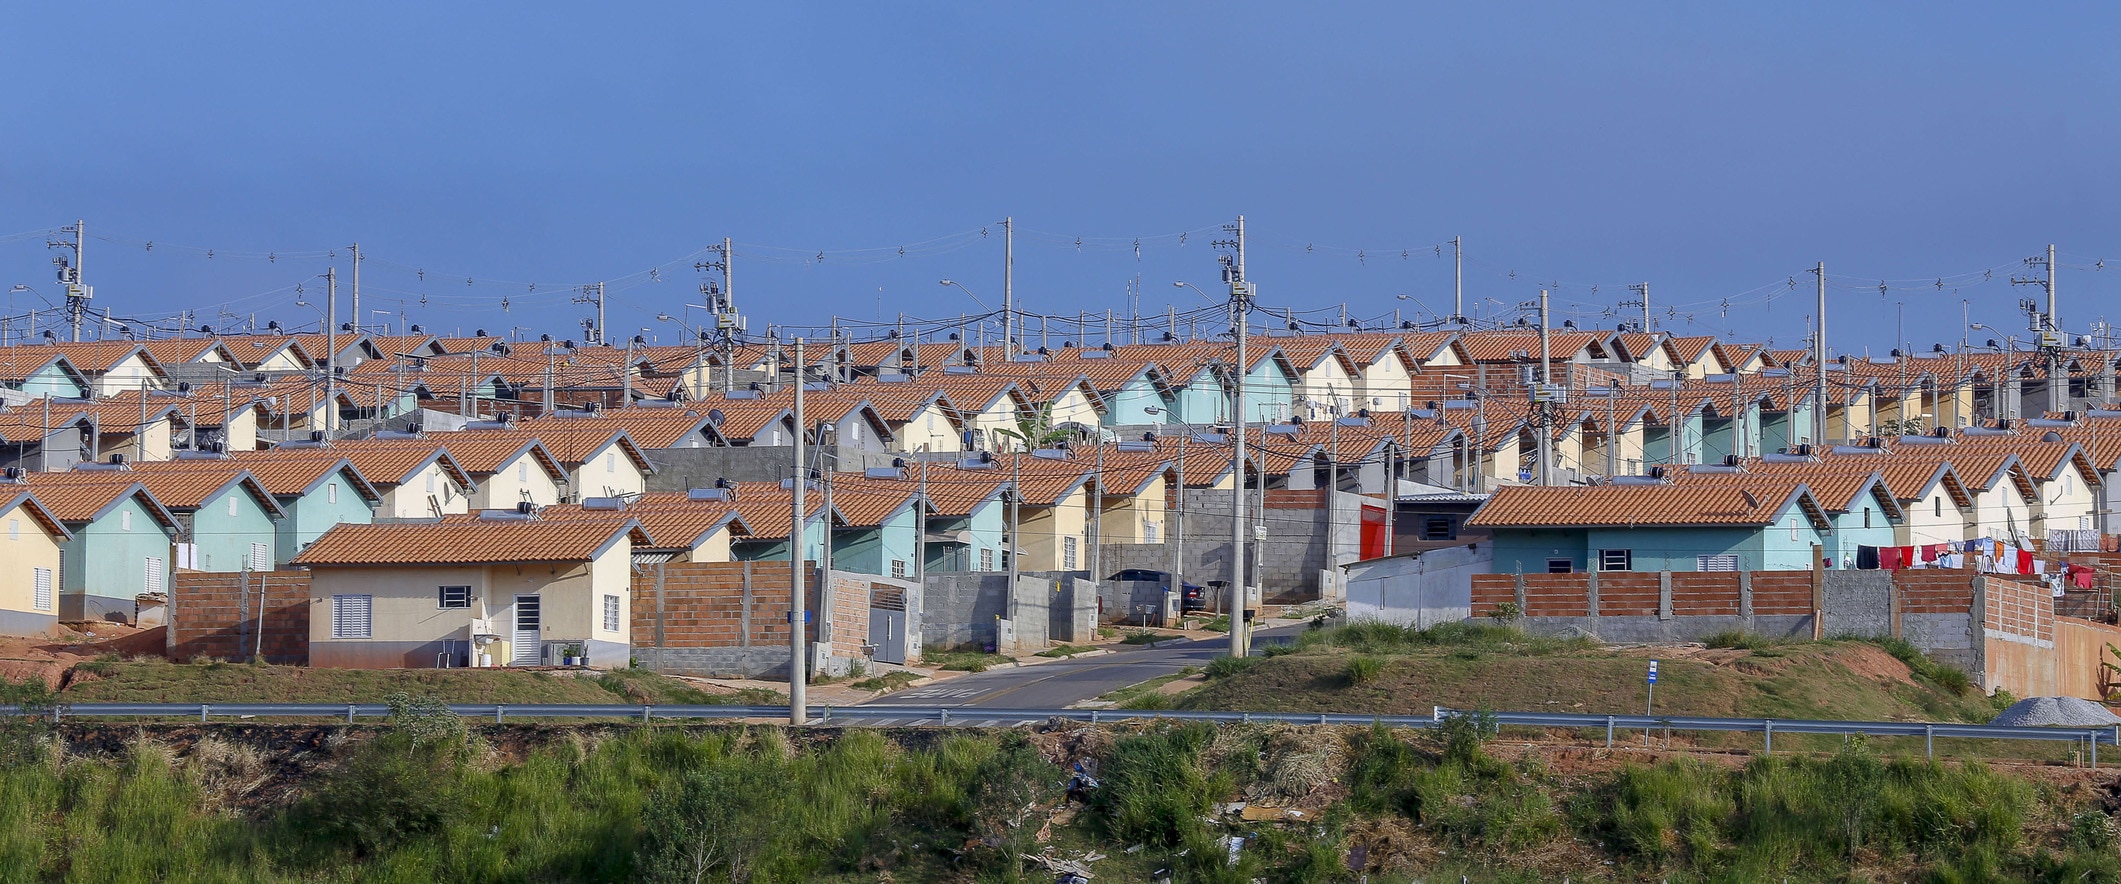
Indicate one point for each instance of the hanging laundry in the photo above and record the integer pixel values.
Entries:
(1889, 558)
(2039, 566)
(2081, 576)
(2025, 561)
(1952, 560)
(1866, 558)
(1908, 556)
(1934, 551)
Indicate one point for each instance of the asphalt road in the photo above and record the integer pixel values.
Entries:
(1065, 682)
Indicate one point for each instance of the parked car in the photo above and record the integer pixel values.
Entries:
(1192, 598)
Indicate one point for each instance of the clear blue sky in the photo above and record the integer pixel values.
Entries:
(1710, 149)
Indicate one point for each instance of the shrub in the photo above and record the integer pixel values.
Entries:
(1014, 786)
(1224, 667)
(1363, 669)
(1943, 676)
(393, 790)
(1153, 789)
(1740, 640)
(712, 822)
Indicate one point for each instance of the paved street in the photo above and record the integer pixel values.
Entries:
(1058, 684)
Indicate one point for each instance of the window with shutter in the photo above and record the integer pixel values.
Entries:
(155, 570)
(260, 557)
(232, 511)
(43, 580)
(351, 616)
(1715, 563)
(125, 520)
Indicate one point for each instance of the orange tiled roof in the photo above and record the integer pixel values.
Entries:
(1645, 505)
(186, 488)
(28, 502)
(468, 542)
(89, 501)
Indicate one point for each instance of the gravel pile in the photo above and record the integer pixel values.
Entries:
(2056, 712)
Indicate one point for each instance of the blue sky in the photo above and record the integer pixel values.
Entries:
(1715, 151)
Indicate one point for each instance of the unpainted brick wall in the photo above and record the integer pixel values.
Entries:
(212, 615)
(705, 605)
(2023, 610)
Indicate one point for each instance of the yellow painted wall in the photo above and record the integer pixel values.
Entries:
(1384, 385)
(505, 488)
(25, 546)
(1044, 529)
(608, 474)
(409, 501)
(929, 430)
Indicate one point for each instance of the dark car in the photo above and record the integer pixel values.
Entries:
(1194, 597)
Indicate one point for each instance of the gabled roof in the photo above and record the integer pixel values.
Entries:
(179, 488)
(468, 542)
(23, 501)
(97, 357)
(296, 477)
(252, 351)
(386, 463)
(651, 428)
(85, 502)
(19, 364)
(181, 351)
(671, 520)
(1754, 505)
(486, 452)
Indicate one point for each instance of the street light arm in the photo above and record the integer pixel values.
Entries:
(968, 292)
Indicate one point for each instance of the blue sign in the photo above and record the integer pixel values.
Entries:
(1653, 672)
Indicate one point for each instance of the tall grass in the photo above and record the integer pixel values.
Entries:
(1377, 637)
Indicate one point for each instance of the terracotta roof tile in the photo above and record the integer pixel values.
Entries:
(88, 501)
(1644, 505)
(467, 542)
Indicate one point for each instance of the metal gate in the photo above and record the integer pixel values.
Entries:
(887, 623)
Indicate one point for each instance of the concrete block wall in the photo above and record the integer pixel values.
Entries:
(1072, 613)
(730, 619)
(216, 615)
(962, 608)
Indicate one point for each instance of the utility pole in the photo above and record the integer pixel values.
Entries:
(1009, 287)
(1016, 527)
(331, 350)
(77, 294)
(1458, 280)
(356, 249)
(1097, 516)
(1240, 316)
(798, 714)
(1178, 527)
(593, 294)
(2047, 332)
(1546, 407)
(1819, 363)
(1642, 289)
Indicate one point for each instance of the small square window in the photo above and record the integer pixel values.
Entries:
(1437, 528)
(1560, 566)
(455, 596)
(898, 568)
(1616, 559)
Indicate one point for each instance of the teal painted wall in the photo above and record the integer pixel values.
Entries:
(872, 550)
(776, 549)
(985, 523)
(1675, 549)
(1202, 400)
(52, 381)
(309, 516)
(1129, 405)
(1525, 551)
(109, 562)
(224, 540)
(1849, 532)
(1269, 393)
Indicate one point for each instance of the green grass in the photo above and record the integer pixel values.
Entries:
(965, 661)
(407, 802)
(149, 681)
(1372, 667)
(1741, 640)
(1148, 694)
(1142, 637)
(1066, 650)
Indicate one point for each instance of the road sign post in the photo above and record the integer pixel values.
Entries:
(1649, 708)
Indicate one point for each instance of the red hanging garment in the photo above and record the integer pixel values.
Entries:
(2025, 561)
(1890, 559)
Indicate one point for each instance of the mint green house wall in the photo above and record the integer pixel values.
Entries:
(1865, 524)
(107, 562)
(985, 524)
(1202, 400)
(1657, 443)
(775, 549)
(52, 380)
(1780, 430)
(224, 540)
(1784, 546)
(1270, 392)
(872, 550)
(310, 515)
(1130, 404)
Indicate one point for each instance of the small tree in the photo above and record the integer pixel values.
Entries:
(719, 820)
(1036, 430)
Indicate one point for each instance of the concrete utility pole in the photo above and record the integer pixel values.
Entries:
(1546, 408)
(1819, 363)
(1009, 286)
(331, 350)
(1016, 541)
(356, 249)
(594, 294)
(2047, 332)
(1642, 289)
(1458, 280)
(1240, 317)
(77, 293)
(798, 713)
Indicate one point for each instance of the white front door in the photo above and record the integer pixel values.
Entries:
(526, 642)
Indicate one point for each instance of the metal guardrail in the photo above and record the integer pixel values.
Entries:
(947, 716)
